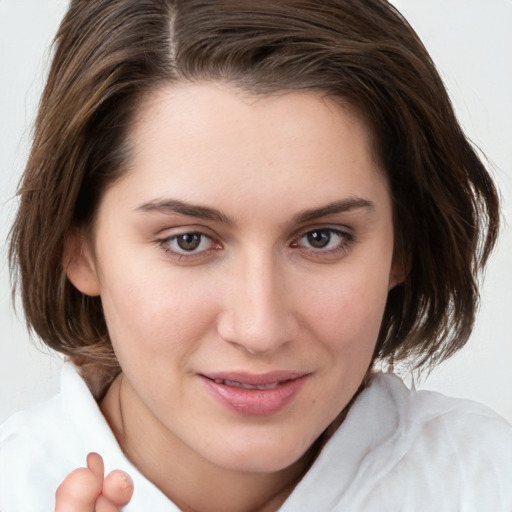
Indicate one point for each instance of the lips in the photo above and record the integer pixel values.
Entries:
(253, 394)
(244, 385)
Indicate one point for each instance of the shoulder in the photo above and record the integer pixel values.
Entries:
(401, 450)
(41, 445)
(31, 431)
(439, 419)
(46, 427)
(32, 457)
(454, 447)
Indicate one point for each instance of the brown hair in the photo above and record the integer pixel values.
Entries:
(110, 53)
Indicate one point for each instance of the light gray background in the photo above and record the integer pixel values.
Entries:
(471, 42)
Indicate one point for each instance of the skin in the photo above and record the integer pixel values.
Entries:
(256, 295)
(86, 489)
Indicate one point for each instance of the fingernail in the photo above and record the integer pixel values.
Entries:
(125, 480)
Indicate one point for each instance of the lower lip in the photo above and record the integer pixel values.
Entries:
(255, 402)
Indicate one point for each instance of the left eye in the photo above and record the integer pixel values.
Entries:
(189, 243)
(324, 238)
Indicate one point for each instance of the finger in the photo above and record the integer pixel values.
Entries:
(118, 488)
(79, 491)
(117, 492)
(95, 464)
(105, 505)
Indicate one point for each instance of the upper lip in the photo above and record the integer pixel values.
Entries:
(256, 379)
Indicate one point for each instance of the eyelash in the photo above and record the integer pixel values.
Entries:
(347, 239)
(165, 245)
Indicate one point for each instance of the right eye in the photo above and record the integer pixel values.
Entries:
(188, 244)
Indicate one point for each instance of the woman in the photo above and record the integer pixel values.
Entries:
(231, 212)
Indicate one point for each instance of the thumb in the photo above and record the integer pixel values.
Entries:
(80, 489)
(118, 488)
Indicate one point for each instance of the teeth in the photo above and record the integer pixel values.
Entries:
(235, 384)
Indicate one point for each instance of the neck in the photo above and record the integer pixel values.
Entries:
(190, 481)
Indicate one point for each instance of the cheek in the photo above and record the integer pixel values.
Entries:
(150, 310)
(347, 312)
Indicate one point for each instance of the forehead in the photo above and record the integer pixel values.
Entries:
(210, 138)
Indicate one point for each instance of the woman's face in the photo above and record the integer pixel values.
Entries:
(243, 263)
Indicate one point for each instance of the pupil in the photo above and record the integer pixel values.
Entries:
(189, 241)
(319, 239)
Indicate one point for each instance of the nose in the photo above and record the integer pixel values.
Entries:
(257, 315)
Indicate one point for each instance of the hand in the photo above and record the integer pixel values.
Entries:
(87, 490)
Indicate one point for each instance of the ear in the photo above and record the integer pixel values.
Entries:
(398, 271)
(79, 264)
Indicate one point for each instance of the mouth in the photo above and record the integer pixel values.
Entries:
(244, 385)
(253, 394)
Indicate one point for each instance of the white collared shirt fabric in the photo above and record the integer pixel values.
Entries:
(397, 451)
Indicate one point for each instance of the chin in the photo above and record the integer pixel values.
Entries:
(261, 457)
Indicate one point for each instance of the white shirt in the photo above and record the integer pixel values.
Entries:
(397, 450)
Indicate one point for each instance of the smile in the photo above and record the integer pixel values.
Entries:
(243, 385)
(255, 395)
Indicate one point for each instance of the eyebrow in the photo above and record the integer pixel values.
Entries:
(345, 205)
(170, 206)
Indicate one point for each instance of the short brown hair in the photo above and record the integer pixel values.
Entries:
(110, 53)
